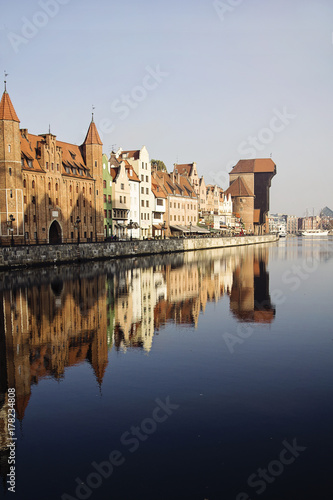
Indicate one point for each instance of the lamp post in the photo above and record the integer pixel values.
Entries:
(164, 228)
(191, 229)
(11, 228)
(131, 227)
(76, 225)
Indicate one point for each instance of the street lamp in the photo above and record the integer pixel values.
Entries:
(11, 228)
(76, 226)
(191, 229)
(164, 228)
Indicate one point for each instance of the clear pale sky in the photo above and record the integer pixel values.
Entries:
(192, 80)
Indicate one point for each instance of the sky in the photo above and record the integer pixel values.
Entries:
(205, 81)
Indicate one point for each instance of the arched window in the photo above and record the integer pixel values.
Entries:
(77, 188)
(24, 183)
(56, 187)
(33, 184)
(49, 186)
(70, 188)
(104, 184)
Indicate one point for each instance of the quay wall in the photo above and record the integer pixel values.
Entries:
(43, 255)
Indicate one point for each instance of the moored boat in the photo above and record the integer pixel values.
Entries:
(315, 232)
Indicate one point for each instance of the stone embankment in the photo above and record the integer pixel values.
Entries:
(43, 255)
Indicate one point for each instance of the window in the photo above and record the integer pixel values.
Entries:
(52, 164)
(141, 216)
(104, 184)
(109, 198)
(11, 193)
(72, 234)
(70, 203)
(57, 202)
(142, 203)
(120, 199)
(77, 188)
(159, 202)
(49, 186)
(70, 188)
(10, 171)
(30, 163)
(142, 190)
(147, 203)
(77, 203)
(142, 178)
(50, 201)
(124, 199)
(105, 214)
(104, 198)
(147, 216)
(22, 162)
(178, 205)
(25, 200)
(25, 218)
(147, 178)
(147, 190)
(110, 215)
(95, 163)
(122, 186)
(179, 218)
(47, 165)
(9, 148)
(58, 167)
(56, 187)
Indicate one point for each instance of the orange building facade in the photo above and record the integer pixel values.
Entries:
(50, 191)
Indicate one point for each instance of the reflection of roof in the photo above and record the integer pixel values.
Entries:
(238, 188)
(256, 165)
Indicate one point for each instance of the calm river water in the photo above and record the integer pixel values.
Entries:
(205, 375)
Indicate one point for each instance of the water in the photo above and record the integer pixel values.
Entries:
(205, 375)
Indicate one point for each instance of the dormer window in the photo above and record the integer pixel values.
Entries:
(30, 163)
(74, 170)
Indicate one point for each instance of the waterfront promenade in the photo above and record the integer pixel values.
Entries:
(42, 255)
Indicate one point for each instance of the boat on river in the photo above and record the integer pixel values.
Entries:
(315, 232)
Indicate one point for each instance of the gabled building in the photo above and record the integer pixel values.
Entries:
(159, 207)
(182, 202)
(120, 198)
(139, 159)
(50, 191)
(107, 197)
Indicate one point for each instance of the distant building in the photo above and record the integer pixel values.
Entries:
(292, 224)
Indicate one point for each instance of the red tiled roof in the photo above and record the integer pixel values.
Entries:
(92, 136)
(131, 173)
(7, 111)
(255, 165)
(135, 154)
(238, 188)
(184, 168)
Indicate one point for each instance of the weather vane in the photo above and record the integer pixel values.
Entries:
(93, 107)
(6, 74)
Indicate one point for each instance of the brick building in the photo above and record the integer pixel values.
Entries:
(50, 191)
(250, 181)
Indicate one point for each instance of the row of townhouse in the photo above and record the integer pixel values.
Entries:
(141, 201)
(57, 192)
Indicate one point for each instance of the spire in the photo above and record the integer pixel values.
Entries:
(92, 136)
(7, 111)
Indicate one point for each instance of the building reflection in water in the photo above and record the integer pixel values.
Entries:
(75, 315)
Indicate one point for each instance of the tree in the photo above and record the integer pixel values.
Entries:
(160, 165)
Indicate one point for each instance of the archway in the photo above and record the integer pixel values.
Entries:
(55, 233)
